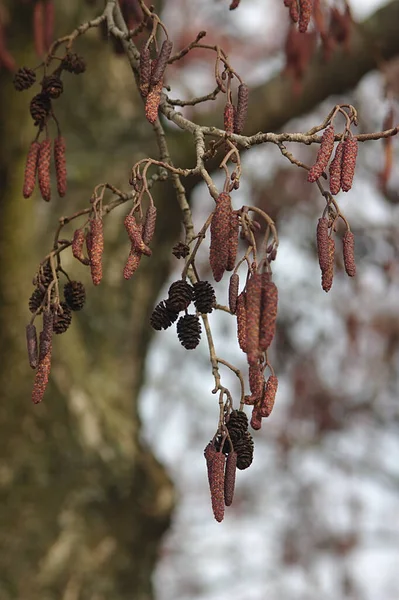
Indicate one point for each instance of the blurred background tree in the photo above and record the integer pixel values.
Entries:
(84, 501)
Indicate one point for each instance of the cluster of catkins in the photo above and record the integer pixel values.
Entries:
(151, 78)
(57, 317)
(300, 12)
(224, 454)
(342, 167)
(235, 116)
(41, 109)
(180, 296)
(326, 252)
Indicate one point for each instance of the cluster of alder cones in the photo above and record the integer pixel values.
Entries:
(38, 160)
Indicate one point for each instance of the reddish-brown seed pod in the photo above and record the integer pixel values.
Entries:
(254, 298)
(349, 155)
(268, 316)
(38, 28)
(305, 12)
(60, 165)
(132, 264)
(233, 241)
(217, 485)
(31, 342)
(256, 380)
(43, 169)
(241, 312)
(228, 118)
(152, 103)
(327, 274)
(269, 396)
(335, 169)
(41, 378)
(149, 224)
(323, 155)
(32, 160)
(242, 108)
(145, 71)
(256, 419)
(78, 241)
(233, 292)
(322, 243)
(294, 12)
(220, 232)
(348, 243)
(96, 249)
(162, 61)
(230, 478)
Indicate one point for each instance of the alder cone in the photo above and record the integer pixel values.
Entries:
(162, 316)
(348, 242)
(62, 320)
(241, 112)
(241, 312)
(323, 155)
(217, 486)
(220, 232)
(40, 107)
(52, 86)
(245, 451)
(180, 295)
(230, 478)
(253, 307)
(189, 331)
(269, 396)
(233, 241)
(36, 300)
(24, 78)
(348, 163)
(336, 169)
(96, 249)
(204, 297)
(60, 165)
(75, 295)
(43, 169)
(32, 160)
(268, 316)
(327, 274)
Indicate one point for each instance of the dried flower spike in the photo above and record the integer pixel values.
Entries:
(60, 165)
(323, 155)
(43, 168)
(31, 169)
(348, 163)
(348, 242)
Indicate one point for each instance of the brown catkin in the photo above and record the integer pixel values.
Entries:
(60, 165)
(43, 168)
(327, 274)
(335, 169)
(294, 12)
(269, 396)
(349, 155)
(305, 12)
(233, 292)
(348, 243)
(241, 312)
(149, 224)
(132, 264)
(77, 246)
(209, 453)
(322, 243)
(31, 169)
(268, 316)
(220, 233)
(134, 231)
(152, 103)
(323, 155)
(162, 60)
(233, 241)
(256, 380)
(31, 342)
(254, 295)
(41, 378)
(96, 249)
(228, 118)
(145, 71)
(230, 478)
(46, 336)
(217, 486)
(242, 108)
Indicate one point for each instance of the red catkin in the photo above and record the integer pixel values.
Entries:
(220, 232)
(327, 274)
(294, 12)
(233, 292)
(348, 243)
(305, 12)
(217, 485)
(230, 478)
(96, 249)
(60, 165)
(348, 163)
(269, 396)
(43, 169)
(336, 169)
(132, 264)
(77, 246)
(31, 169)
(228, 118)
(46, 336)
(134, 231)
(241, 312)
(152, 101)
(240, 115)
(269, 301)
(323, 155)
(256, 380)
(254, 295)
(209, 453)
(149, 224)
(322, 243)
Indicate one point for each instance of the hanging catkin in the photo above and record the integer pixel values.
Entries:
(77, 246)
(323, 155)
(335, 169)
(220, 232)
(233, 292)
(217, 485)
(348, 163)
(43, 168)
(96, 249)
(254, 296)
(327, 274)
(60, 165)
(233, 241)
(322, 243)
(230, 478)
(348, 243)
(31, 169)
(269, 301)
(241, 111)
(241, 312)
(269, 396)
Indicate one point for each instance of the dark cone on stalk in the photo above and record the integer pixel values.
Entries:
(245, 451)
(75, 295)
(189, 331)
(237, 426)
(24, 78)
(73, 63)
(52, 86)
(40, 107)
(35, 300)
(204, 297)
(162, 316)
(180, 295)
(180, 250)
(62, 320)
